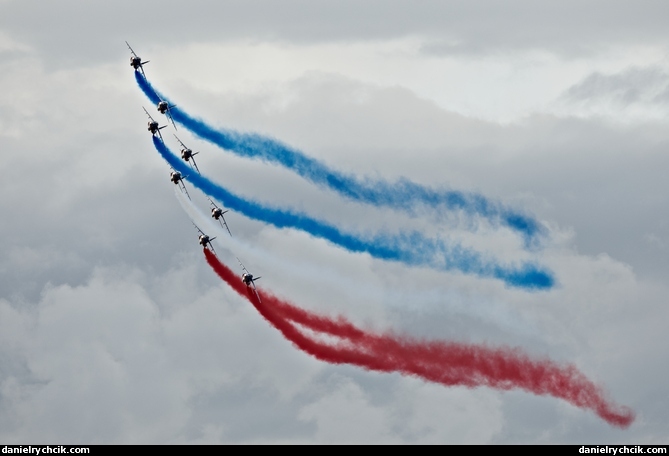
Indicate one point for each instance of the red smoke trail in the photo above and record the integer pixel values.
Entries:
(448, 363)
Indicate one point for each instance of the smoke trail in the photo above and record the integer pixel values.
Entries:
(402, 194)
(411, 249)
(226, 245)
(447, 363)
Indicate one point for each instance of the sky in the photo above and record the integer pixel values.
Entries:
(113, 328)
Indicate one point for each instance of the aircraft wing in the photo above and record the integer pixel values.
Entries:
(243, 268)
(181, 142)
(255, 290)
(147, 113)
(212, 246)
(214, 204)
(169, 115)
(195, 164)
(133, 52)
(223, 223)
(185, 191)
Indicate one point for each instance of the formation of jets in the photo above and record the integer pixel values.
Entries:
(177, 178)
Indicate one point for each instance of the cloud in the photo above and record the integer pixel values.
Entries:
(570, 28)
(635, 94)
(635, 85)
(418, 417)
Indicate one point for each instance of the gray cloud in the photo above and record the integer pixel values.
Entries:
(76, 32)
(633, 86)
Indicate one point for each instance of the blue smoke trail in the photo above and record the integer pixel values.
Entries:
(411, 249)
(402, 194)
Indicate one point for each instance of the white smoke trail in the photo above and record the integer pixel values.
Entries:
(376, 297)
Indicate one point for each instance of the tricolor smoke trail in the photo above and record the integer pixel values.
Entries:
(403, 194)
(447, 363)
(412, 249)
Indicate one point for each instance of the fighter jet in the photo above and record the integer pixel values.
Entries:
(188, 155)
(136, 61)
(204, 240)
(217, 214)
(164, 108)
(178, 179)
(153, 125)
(248, 279)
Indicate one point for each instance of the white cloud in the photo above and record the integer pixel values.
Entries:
(419, 413)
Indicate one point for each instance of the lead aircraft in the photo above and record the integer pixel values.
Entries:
(136, 61)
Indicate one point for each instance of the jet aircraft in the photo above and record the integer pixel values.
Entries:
(217, 214)
(178, 179)
(136, 61)
(248, 279)
(153, 125)
(187, 154)
(164, 108)
(204, 240)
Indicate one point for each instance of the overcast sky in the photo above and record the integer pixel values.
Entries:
(113, 329)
